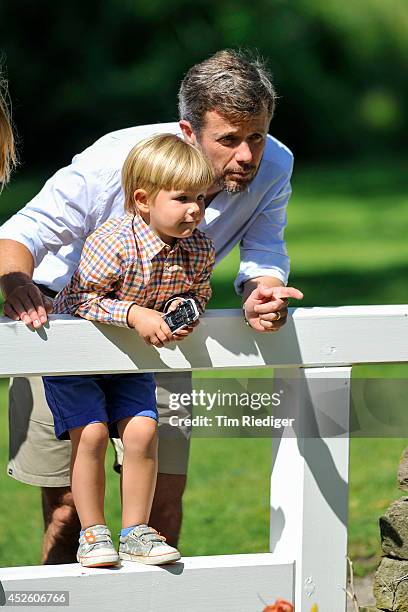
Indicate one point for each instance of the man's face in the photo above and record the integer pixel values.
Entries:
(234, 149)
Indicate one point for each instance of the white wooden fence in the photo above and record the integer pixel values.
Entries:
(309, 482)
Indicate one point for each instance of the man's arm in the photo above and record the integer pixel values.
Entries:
(264, 267)
(262, 247)
(23, 299)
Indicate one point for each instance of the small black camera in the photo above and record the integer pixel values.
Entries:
(185, 314)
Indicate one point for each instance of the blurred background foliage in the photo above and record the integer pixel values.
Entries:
(80, 69)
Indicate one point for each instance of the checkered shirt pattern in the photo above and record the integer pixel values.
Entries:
(124, 263)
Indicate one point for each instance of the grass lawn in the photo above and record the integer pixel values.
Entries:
(346, 237)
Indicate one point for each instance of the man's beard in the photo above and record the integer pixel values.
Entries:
(232, 186)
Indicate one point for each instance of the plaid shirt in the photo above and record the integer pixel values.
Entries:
(124, 263)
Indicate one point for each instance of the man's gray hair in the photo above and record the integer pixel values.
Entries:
(236, 84)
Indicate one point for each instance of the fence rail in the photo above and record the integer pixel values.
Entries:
(309, 482)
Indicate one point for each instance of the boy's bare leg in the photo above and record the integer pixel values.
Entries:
(139, 469)
(89, 445)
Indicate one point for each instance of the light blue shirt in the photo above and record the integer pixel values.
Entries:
(82, 196)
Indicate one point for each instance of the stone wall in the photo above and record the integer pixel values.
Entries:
(391, 578)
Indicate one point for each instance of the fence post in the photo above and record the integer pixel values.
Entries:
(309, 484)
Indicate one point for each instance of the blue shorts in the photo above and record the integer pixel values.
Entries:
(76, 401)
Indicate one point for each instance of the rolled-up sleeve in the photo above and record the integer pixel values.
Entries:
(262, 248)
(61, 212)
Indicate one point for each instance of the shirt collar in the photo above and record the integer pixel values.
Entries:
(152, 243)
(188, 244)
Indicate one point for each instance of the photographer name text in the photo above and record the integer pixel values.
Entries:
(224, 421)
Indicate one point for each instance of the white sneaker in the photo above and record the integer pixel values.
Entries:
(144, 545)
(96, 548)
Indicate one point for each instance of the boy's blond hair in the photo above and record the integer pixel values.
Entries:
(8, 156)
(164, 161)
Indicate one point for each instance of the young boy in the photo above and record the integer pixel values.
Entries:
(129, 269)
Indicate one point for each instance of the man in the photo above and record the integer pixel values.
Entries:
(225, 105)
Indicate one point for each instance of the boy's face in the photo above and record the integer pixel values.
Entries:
(175, 214)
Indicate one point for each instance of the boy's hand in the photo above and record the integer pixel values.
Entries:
(150, 325)
(180, 334)
(174, 304)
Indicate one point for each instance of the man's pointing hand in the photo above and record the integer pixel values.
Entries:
(266, 308)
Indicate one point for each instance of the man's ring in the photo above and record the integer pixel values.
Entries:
(278, 315)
